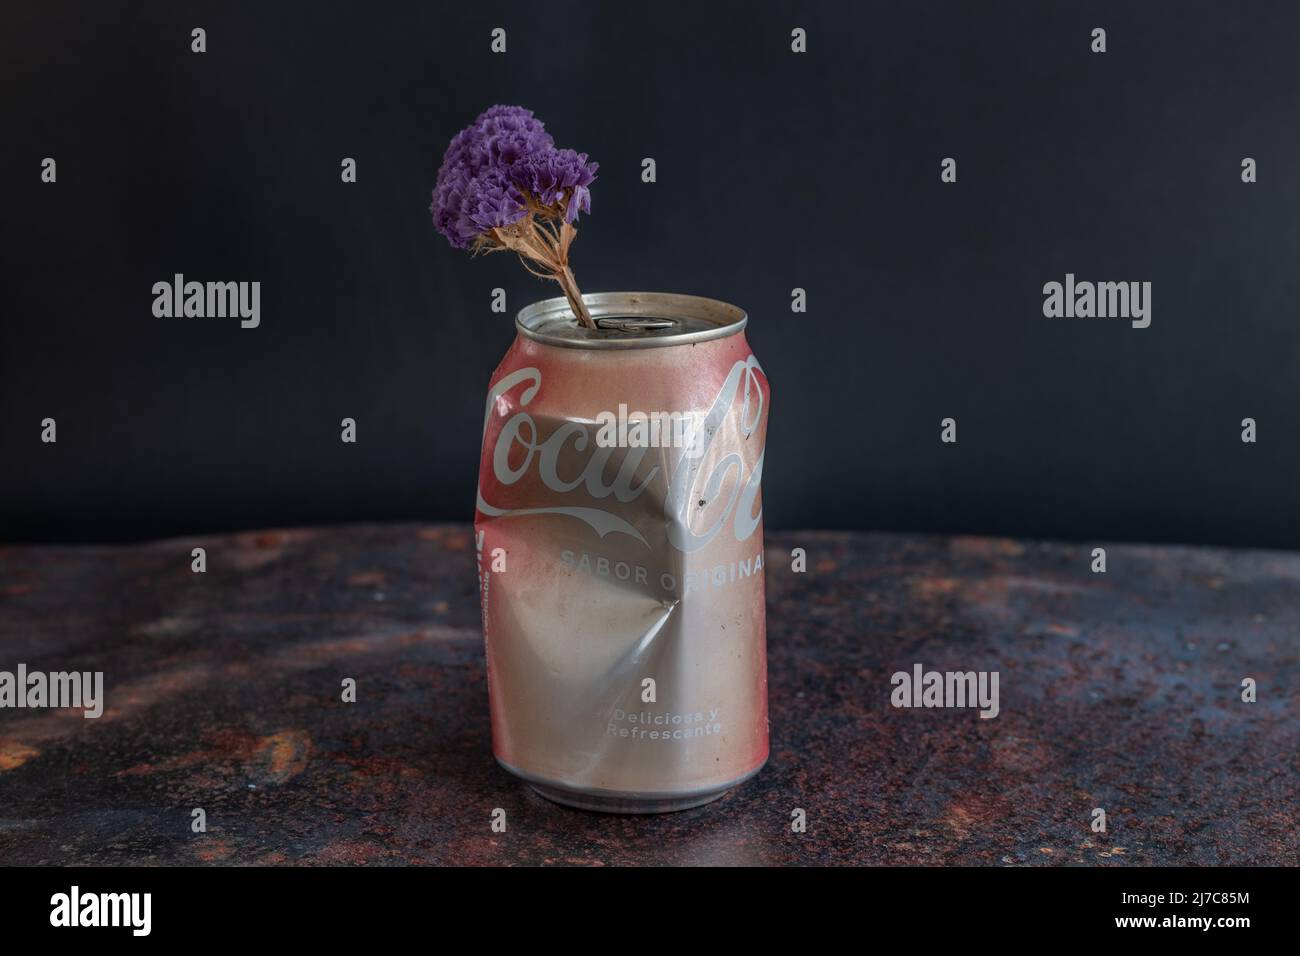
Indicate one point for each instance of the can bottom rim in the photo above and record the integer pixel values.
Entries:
(620, 801)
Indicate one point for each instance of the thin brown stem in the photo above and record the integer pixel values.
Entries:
(574, 295)
(551, 234)
(542, 243)
(523, 260)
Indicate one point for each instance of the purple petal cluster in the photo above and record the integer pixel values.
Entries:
(493, 167)
(557, 176)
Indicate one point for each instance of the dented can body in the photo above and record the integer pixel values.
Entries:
(619, 537)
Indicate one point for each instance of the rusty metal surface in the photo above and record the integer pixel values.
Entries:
(1119, 691)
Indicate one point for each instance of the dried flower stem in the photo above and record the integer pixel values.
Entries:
(540, 242)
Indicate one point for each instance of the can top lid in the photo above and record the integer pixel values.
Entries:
(631, 320)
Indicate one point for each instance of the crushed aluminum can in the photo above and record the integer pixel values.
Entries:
(619, 539)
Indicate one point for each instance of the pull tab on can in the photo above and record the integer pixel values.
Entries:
(633, 324)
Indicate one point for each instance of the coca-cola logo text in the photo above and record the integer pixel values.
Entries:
(689, 482)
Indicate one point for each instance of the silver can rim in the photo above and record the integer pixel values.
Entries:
(709, 319)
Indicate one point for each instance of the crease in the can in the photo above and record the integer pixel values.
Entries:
(628, 663)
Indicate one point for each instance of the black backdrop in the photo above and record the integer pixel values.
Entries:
(775, 170)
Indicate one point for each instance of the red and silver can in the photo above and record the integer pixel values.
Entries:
(619, 537)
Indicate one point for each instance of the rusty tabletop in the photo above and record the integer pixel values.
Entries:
(1119, 690)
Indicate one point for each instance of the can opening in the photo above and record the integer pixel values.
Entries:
(631, 320)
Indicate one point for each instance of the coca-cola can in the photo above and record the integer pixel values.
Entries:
(619, 537)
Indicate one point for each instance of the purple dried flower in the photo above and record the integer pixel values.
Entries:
(493, 201)
(499, 177)
(498, 118)
(557, 176)
(496, 165)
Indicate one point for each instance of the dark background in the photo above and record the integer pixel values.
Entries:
(774, 170)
